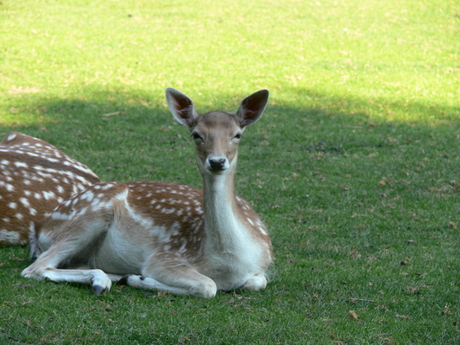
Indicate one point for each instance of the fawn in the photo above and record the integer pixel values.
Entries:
(162, 235)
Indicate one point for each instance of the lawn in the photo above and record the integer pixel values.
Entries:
(354, 167)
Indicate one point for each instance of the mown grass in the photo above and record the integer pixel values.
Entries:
(354, 167)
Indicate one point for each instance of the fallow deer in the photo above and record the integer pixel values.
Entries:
(35, 177)
(161, 235)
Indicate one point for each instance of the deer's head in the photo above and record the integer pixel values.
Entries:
(216, 133)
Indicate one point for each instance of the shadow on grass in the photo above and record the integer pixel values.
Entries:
(130, 134)
(96, 102)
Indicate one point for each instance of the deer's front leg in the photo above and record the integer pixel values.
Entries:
(175, 276)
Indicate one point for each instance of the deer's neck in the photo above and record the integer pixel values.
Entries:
(225, 231)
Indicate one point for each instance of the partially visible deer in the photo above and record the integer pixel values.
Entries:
(35, 177)
(161, 235)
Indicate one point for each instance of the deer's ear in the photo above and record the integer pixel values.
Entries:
(181, 107)
(252, 108)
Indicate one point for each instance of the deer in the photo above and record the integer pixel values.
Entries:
(35, 177)
(160, 235)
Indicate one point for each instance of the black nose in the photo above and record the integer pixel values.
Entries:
(217, 163)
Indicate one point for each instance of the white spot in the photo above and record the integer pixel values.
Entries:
(59, 216)
(49, 195)
(82, 211)
(25, 202)
(12, 205)
(262, 230)
(107, 186)
(100, 205)
(88, 195)
(32, 211)
(9, 187)
(21, 164)
(11, 137)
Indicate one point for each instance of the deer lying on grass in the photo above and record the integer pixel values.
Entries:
(35, 177)
(160, 235)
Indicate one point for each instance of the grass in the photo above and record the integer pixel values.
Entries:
(354, 167)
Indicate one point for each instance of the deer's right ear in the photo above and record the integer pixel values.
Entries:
(252, 108)
(181, 107)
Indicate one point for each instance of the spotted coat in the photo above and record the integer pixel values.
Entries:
(34, 178)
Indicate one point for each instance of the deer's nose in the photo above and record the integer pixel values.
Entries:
(217, 163)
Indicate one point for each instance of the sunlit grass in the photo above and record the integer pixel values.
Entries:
(378, 53)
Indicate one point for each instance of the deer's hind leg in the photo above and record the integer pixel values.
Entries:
(65, 259)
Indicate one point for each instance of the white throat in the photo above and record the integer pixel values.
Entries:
(223, 227)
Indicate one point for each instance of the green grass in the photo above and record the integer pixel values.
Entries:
(354, 166)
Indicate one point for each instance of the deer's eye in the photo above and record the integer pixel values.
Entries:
(197, 137)
(237, 136)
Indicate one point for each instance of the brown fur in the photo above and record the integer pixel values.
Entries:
(35, 177)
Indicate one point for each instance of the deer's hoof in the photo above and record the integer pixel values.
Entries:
(98, 290)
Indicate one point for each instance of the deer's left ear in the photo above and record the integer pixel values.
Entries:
(252, 108)
(181, 107)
